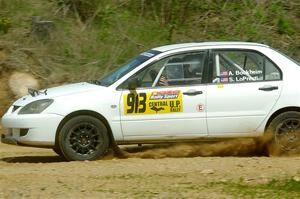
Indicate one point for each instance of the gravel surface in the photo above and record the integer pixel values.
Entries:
(40, 173)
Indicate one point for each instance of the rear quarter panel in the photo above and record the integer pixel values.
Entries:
(290, 94)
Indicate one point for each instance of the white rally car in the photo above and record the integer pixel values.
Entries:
(181, 92)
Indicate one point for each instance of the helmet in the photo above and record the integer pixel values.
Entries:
(193, 62)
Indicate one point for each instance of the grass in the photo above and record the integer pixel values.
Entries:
(287, 188)
(189, 186)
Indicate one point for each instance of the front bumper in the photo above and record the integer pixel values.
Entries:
(8, 140)
(31, 130)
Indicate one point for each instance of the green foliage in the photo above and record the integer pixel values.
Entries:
(287, 188)
(85, 9)
(284, 27)
(5, 24)
(109, 32)
(96, 9)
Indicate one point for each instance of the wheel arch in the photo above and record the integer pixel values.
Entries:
(278, 112)
(89, 113)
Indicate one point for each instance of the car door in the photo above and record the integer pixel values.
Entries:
(245, 86)
(168, 102)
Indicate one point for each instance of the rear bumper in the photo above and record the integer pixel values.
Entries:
(30, 130)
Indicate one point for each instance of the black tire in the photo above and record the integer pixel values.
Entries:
(284, 134)
(57, 151)
(83, 138)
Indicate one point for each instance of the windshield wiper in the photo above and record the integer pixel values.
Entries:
(97, 82)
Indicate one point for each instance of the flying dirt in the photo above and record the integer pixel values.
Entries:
(240, 147)
(235, 147)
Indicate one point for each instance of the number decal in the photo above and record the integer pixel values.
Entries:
(130, 102)
(136, 107)
(143, 102)
(136, 103)
(156, 102)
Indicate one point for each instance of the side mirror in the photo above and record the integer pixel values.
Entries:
(133, 83)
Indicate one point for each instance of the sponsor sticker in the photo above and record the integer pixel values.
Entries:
(220, 86)
(156, 102)
(147, 54)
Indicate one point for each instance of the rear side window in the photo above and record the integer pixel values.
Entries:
(243, 66)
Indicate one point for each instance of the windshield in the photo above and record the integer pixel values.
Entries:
(114, 76)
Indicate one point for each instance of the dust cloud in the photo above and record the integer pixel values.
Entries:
(241, 147)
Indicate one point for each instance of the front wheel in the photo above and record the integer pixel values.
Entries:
(57, 151)
(83, 138)
(285, 132)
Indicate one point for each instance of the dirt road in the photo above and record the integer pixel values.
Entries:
(40, 173)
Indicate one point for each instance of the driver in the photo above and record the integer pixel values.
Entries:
(183, 71)
(175, 72)
(193, 66)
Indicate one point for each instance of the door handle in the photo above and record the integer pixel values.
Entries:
(192, 93)
(268, 88)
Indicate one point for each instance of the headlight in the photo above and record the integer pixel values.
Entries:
(36, 106)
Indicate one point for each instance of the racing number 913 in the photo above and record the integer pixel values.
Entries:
(136, 103)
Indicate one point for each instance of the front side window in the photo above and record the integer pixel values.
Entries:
(182, 69)
(242, 66)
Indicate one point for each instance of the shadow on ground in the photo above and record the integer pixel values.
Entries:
(33, 159)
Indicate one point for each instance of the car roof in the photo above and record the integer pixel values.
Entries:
(204, 44)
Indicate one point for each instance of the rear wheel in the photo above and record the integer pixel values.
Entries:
(83, 138)
(285, 132)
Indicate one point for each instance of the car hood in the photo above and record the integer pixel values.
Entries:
(50, 93)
